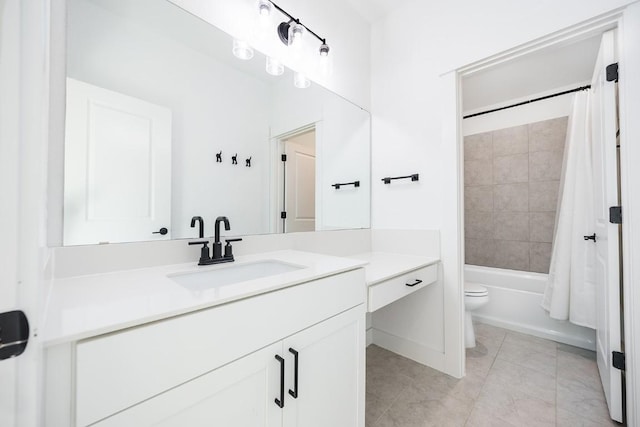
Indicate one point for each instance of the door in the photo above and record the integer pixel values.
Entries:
(117, 177)
(607, 263)
(300, 182)
(240, 394)
(330, 373)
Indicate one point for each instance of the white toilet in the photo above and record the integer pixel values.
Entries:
(475, 296)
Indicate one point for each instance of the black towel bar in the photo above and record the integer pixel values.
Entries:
(354, 183)
(414, 177)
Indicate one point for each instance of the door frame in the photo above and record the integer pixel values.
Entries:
(277, 190)
(24, 251)
(627, 22)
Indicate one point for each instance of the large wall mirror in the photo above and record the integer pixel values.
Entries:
(164, 124)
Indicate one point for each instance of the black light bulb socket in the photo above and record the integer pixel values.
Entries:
(283, 32)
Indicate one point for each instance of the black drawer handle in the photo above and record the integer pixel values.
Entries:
(280, 402)
(411, 285)
(294, 392)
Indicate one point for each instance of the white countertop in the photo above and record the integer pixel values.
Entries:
(382, 265)
(86, 306)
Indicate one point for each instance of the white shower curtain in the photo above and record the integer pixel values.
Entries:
(570, 292)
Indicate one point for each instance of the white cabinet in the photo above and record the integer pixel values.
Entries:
(238, 394)
(330, 374)
(330, 377)
(218, 366)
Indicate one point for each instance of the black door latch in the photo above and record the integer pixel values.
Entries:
(14, 334)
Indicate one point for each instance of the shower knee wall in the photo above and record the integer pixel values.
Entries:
(514, 303)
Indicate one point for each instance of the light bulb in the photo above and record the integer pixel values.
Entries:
(324, 50)
(325, 60)
(264, 14)
(301, 81)
(295, 35)
(264, 7)
(242, 50)
(274, 67)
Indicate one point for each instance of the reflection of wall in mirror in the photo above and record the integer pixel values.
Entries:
(342, 151)
(214, 108)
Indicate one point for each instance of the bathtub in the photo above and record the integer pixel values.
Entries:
(514, 303)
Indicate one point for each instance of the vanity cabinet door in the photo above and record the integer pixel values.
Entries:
(331, 363)
(240, 394)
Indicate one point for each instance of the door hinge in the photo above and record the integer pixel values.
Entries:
(284, 157)
(283, 215)
(14, 334)
(615, 214)
(612, 72)
(618, 360)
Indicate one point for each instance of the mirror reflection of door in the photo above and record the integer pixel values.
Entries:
(117, 167)
(300, 182)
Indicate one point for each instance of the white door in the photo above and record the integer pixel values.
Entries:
(240, 394)
(117, 183)
(607, 265)
(300, 185)
(330, 372)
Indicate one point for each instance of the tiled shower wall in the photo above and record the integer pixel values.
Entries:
(511, 184)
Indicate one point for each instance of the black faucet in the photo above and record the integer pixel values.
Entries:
(217, 246)
(216, 257)
(201, 228)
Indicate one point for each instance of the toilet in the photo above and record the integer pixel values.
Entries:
(475, 296)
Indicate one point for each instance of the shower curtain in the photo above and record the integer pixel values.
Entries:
(570, 292)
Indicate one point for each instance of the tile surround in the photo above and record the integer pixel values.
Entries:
(512, 380)
(512, 181)
(510, 169)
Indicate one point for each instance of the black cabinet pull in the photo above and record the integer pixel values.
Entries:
(592, 237)
(280, 402)
(294, 392)
(411, 285)
(162, 231)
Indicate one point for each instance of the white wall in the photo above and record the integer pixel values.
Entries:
(346, 32)
(227, 113)
(411, 49)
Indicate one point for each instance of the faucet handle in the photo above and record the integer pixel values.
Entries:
(228, 250)
(204, 252)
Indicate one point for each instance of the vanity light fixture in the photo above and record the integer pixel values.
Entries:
(292, 30)
(242, 50)
(274, 67)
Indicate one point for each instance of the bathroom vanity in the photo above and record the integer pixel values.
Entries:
(156, 347)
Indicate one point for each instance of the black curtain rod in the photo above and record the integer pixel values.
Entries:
(529, 101)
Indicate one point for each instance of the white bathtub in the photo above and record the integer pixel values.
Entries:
(514, 303)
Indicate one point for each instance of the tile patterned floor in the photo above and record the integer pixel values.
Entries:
(512, 380)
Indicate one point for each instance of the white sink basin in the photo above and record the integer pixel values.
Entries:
(202, 280)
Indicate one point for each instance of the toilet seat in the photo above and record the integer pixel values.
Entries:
(473, 289)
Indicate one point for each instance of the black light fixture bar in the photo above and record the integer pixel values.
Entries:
(414, 177)
(529, 101)
(297, 21)
(354, 183)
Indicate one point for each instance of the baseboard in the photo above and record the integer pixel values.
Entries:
(369, 336)
(409, 349)
(537, 332)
